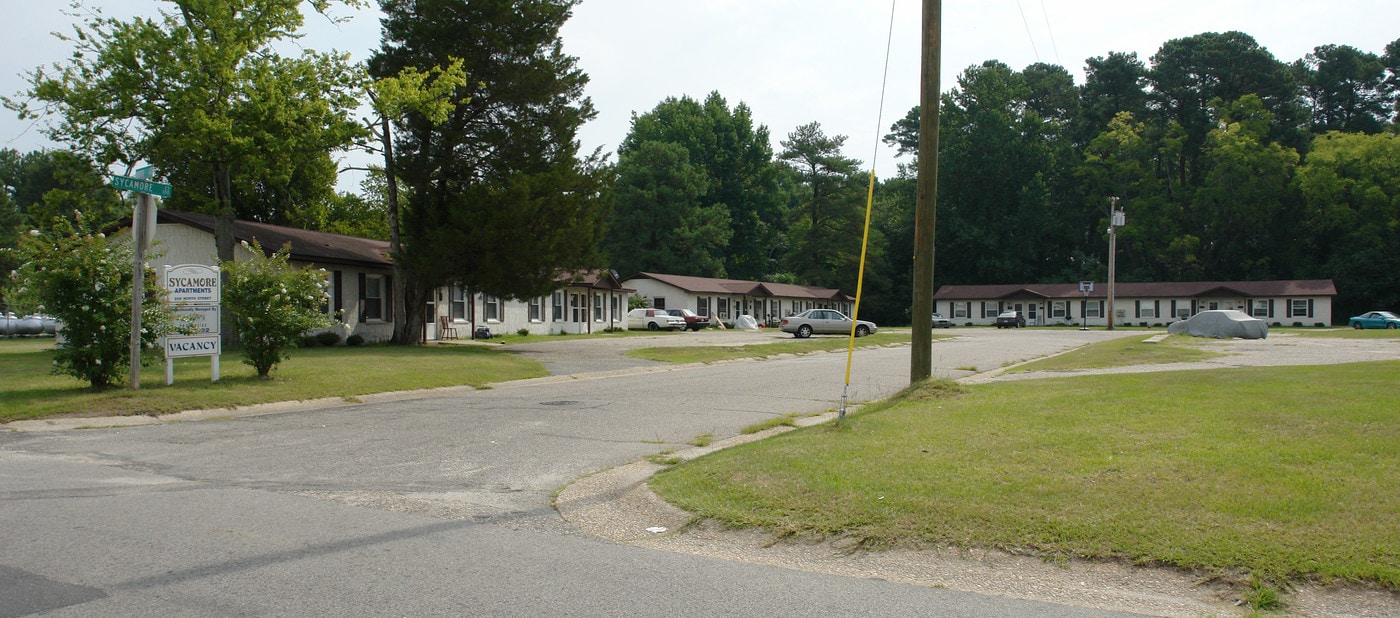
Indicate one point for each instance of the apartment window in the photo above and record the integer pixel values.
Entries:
(1183, 313)
(702, 305)
(1057, 309)
(457, 297)
(1092, 310)
(659, 302)
(597, 307)
(558, 307)
(616, 306)
(332, 305)
(493, 308)
(1298, 308)
(537, 309)
(723, 309)
(1146, 311)
(1261, 309)
(960, 310)
(374, 298)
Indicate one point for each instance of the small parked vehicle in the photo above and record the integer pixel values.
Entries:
(1375, 319)
(653, 319)
(824, 322)
(941, 322)
(1010, 319)
(693, 321)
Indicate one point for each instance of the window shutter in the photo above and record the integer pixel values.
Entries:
(1271, 307)
(388, 298)
(1101, 310)
(360, 305)
(338, 303)
(1137, 308)
(1310, 307)
(1173, 309)
(1157, 308)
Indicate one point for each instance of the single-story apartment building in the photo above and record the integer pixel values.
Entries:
(1286, 303)
(361, 273)
(727, 299)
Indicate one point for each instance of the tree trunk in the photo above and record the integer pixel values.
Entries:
(223, 241)
(408, 324)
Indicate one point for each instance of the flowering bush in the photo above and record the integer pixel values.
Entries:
(272, 305)
(83, 279)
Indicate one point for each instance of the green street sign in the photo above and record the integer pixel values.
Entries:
(127, 183)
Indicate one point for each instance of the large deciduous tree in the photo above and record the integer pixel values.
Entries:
(658, 223)
(1350, 187)
(201, 93)
(741, 176)
(499, 198)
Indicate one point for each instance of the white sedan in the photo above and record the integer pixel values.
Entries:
(653, 319)
(824, 322)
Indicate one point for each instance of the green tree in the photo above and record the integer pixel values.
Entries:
(273, 305)
(1191, 74)
(658, 223)
(1112, 84)
(500, 200)
(742, 177)
(84, 279)
(1350, 187)
(1346, 88)
(44, 184)
(1245, 205)
(826, 225)
(201, 93)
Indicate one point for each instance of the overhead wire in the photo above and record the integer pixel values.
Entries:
(869, 204)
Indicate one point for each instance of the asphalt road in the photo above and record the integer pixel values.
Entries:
(440, 503)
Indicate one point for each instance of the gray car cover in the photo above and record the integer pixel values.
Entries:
(1221, 324)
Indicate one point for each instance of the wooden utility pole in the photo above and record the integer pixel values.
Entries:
(925, 209)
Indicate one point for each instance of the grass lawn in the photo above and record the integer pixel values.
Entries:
(32, 390)
(709, 354)
(1282, 473)
(1342, 332)
(1122, 352)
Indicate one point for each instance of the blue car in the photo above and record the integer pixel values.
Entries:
(1375, 319)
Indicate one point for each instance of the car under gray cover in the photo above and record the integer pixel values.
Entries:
(1221, 324)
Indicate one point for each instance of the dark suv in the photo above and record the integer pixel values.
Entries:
(1010, 319)
(693, 321)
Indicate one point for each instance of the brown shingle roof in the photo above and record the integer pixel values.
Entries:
(1183, 289)
(708, 285)
(306, 245)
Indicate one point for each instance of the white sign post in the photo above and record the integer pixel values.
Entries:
(194, 293)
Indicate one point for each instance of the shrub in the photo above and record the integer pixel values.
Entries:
(84, 280)
(355, 339)
(1298, 324)
(524, 332)
(273, 305)
(307, 341)
(1319, 325)
(328, 338)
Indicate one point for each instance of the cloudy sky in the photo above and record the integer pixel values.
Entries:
(798, 61)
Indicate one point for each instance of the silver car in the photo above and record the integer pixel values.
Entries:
(653, 319)
(824, 322)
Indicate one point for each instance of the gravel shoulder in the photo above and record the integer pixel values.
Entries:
(616, 504)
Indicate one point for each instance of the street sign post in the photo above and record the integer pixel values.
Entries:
(127, 183)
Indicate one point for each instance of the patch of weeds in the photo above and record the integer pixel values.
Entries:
(351, 399)
(1262, 595)
(664, 458)
(703, 439)
(654, 441)
(966, 368)
(786, 420)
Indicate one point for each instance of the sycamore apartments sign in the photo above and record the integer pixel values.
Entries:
(194, 295)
